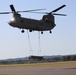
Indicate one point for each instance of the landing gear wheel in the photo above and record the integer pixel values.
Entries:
(22, 31)
(30, 30)
(50, 31)
(41, 32)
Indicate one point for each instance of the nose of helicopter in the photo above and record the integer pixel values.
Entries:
(9, 22)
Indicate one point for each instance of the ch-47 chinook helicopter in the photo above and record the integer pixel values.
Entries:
(47, 23)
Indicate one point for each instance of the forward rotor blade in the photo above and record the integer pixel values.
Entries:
(31, 10)
(5, 12)
(59, 8)
(38, 12)
(12, 8)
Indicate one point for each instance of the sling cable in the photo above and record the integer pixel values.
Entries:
(39, 44)
(30, 46)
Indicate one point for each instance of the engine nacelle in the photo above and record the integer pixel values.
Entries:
(48, 18)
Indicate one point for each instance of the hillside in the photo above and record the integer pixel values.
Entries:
(37, 59)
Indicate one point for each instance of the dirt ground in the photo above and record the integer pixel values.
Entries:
(59, 68)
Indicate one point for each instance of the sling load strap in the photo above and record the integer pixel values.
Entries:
(39, 50)
(30, 46)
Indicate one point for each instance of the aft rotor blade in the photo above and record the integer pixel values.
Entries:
(59, 8)
(12, 8)
(59, 14)
(48, 13)
(32, 10)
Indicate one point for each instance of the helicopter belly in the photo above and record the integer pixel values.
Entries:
(42, 26)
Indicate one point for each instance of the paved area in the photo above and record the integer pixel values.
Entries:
(39, 71)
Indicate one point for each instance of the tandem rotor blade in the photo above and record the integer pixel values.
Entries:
(58, 8)
(31, 10)
(5, 12)
(59, 14)
(12, 8)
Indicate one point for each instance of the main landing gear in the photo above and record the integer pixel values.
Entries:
(22, 31)
(41, 32)
(49, 32)
(31, 31)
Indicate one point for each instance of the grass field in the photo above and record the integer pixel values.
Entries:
(61, 68)
(53, 64)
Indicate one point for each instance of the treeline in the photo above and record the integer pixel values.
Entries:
(69, 58)
(62, 58)
(54, 59)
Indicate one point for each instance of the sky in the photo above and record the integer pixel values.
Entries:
(62, 41)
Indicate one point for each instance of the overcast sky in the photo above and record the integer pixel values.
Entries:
(62, 41)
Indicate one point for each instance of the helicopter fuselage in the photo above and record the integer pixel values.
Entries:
(30, 24)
